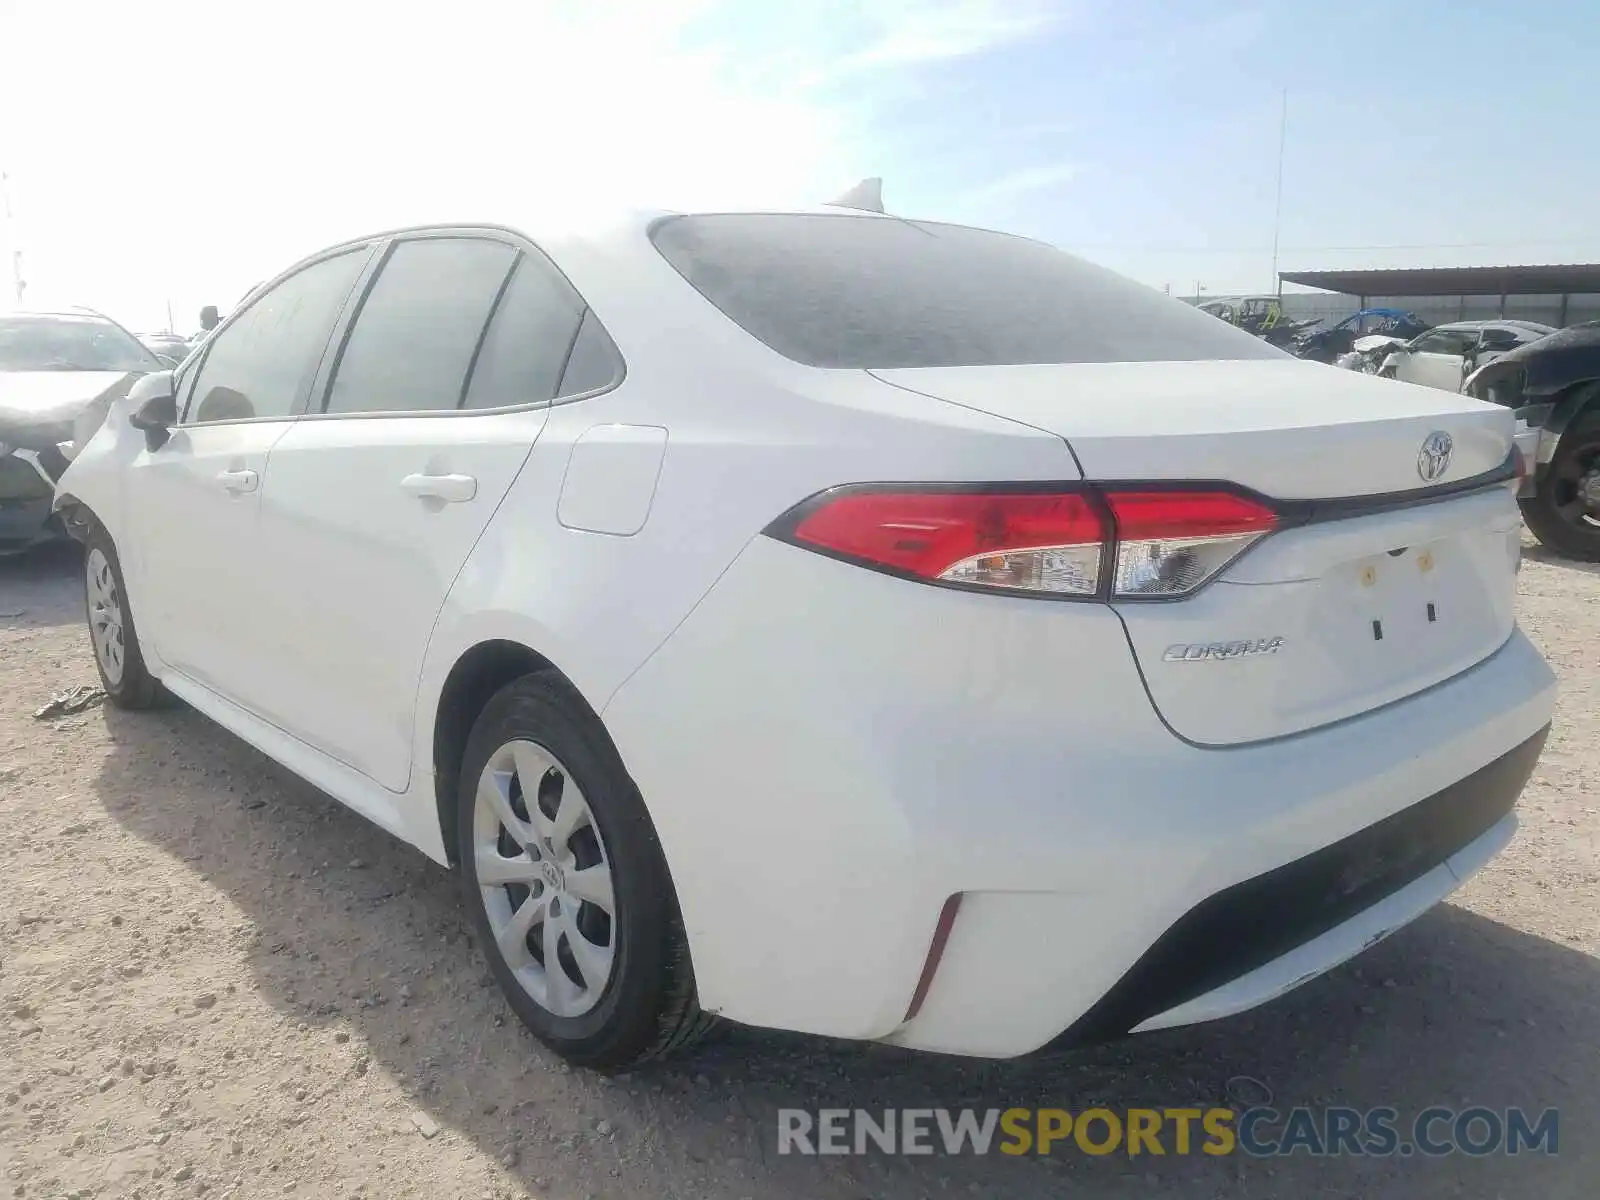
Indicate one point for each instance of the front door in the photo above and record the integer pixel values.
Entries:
(1436, 357)
(196, 500)
(378, 496)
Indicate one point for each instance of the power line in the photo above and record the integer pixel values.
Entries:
(1277, 212)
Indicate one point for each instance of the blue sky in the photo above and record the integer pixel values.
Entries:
(178, 150)
(1145, 135)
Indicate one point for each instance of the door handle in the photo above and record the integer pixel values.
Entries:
(452, 489)
(238, 480)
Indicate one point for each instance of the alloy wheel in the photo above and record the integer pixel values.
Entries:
(1575, 485)
(105, 615)
(545, 879)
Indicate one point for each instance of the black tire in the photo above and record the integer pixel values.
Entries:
(1553, 513)
(648, 1007)
(131, 687)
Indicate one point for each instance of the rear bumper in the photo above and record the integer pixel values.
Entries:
(1343, 941)
(830, 754)
(1243, 929)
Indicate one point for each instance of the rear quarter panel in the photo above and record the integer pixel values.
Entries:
(738, 453)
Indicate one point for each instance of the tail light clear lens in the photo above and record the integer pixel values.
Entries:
(1083, 543)
(1171, 542)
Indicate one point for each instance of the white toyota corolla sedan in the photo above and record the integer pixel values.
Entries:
(833, 622)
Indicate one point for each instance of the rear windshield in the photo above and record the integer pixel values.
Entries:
(844, 291)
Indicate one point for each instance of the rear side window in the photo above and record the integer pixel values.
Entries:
(258, 366)
(528, 340)
(1447, 341)
(848, 291)
(420, 326)
(594, 363)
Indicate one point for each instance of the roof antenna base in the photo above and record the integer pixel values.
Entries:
(866, 196)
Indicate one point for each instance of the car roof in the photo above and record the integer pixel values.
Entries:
(1495, 323)
(82, 314)
(616, 224)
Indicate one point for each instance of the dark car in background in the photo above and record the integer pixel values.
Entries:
(59, 374)
(172, 347)
(1553, 386)
(1326, 342)
(1260, 315)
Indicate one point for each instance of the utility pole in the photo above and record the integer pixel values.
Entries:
(1277, 212)
(11, 236)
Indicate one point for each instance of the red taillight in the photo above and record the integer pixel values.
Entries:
(1160, 543)
(1048, 542)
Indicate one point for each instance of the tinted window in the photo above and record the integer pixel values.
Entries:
(845, 291)
(419, 326)
(259, 365)
(1447, 341)
(594, 363)
(528, 340)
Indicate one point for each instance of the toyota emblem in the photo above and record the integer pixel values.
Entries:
(1433, 460)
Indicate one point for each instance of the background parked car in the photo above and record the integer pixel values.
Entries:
(1260, 315)
(1444, 356)
(1324, 343)
(171, 347)
(1553, 385)
(59, 373)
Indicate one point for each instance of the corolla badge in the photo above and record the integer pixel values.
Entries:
(1433, 460)
(1222, 651)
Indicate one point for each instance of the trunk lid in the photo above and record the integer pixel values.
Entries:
(1291, 430)
(1363, 605)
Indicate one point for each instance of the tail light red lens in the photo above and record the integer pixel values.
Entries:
(1080, 543)
(1046, 542)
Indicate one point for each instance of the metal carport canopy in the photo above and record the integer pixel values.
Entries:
(1552, 280)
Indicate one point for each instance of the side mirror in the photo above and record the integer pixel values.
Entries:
(1495, 340)
(157, 410)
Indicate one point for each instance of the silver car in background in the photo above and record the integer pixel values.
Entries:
(59, 374)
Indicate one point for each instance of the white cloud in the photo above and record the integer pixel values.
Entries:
(1021, 182)
(909, 32)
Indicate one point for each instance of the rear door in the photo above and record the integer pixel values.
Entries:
(195, 501)
(427, 414)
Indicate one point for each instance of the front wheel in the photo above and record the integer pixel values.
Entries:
(567, 883)
(1564, 513)
(123, 675)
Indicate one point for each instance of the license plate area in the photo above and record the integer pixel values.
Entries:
(1398, 591)
(1409, 611)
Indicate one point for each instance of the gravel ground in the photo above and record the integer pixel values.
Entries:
(217, 981)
